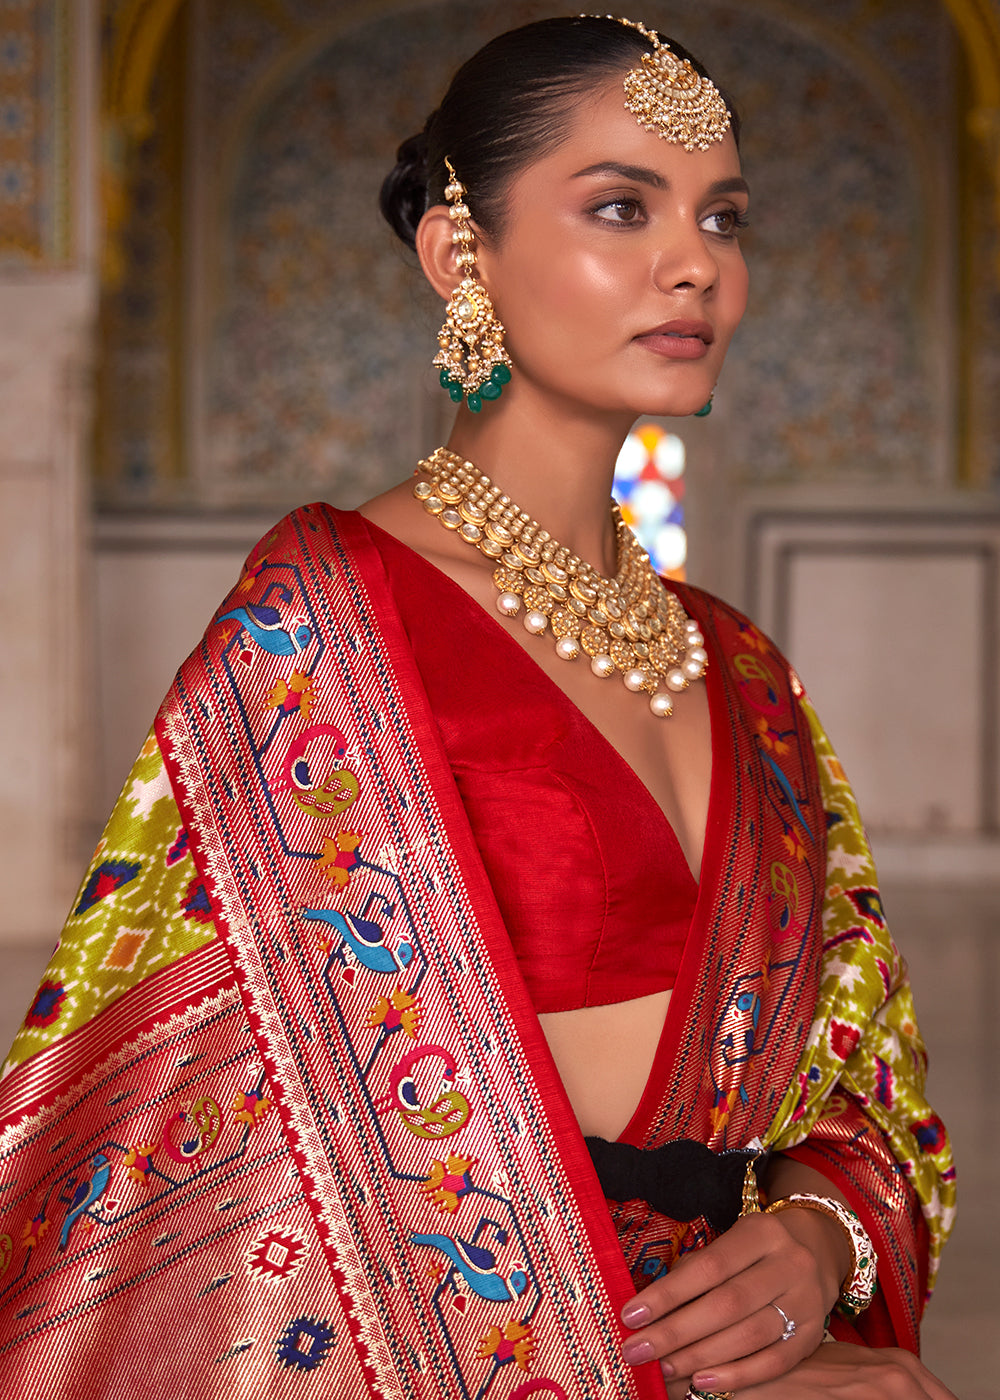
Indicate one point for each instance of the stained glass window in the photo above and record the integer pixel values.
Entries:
(649, 487)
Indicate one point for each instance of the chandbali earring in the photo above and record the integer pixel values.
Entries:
(706, 409)
(474, 364)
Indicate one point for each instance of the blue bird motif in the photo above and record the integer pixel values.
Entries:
(366, 940)
(265, 627)
(86, 1192)
(478, 1266)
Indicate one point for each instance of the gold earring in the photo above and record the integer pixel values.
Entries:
(473, 362)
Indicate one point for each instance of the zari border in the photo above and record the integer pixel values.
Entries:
(37, 1089)
(364, 684)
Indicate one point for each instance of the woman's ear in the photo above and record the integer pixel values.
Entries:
(437, 253)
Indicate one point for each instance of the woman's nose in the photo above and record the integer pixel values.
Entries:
(686, 262)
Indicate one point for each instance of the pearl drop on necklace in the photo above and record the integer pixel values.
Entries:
(631, 623)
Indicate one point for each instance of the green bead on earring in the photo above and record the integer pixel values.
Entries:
(455, 391)
(489, 391)
(704, 411)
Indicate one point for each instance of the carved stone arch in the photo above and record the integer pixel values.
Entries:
(978, 26)
(137, 29)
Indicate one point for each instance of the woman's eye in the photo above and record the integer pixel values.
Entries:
(727, 222)
(620, 211)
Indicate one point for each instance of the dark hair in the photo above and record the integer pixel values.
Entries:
(508, 104)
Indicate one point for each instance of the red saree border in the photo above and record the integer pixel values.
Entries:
(52, 1073)
(753, 951)
(208, 735)
(549, 1085)
(891, 1320)
(717, 828)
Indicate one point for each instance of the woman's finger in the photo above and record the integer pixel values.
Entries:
(838, 1371)
(677, 1389)
(749, 1240)
(739, 1308)
(757, 1344)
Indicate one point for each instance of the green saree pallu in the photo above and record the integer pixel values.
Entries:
(281, 1120)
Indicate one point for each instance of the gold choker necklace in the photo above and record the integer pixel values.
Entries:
(630, 623)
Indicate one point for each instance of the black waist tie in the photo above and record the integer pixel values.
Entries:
(682, 1180)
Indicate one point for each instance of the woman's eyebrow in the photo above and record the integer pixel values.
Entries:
(640, 174)
(734, 185)
(645, 175)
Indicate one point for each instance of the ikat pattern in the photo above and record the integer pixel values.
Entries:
(747, 984)
(849, 1008)
(141, 906)
(864, 1038)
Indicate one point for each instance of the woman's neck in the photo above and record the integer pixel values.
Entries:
(559, 472)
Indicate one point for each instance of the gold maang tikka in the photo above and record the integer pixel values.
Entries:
(667, 96)
(473, 362)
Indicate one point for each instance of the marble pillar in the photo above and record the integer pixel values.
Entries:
(48, 303)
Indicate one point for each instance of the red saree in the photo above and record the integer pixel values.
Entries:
(311, 1140)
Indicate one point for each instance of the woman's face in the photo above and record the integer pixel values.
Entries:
(619, 275)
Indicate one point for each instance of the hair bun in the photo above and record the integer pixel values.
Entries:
(403, 197)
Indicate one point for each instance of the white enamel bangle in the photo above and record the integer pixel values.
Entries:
(858, 1289)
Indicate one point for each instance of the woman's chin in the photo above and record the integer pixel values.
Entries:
(672, 405)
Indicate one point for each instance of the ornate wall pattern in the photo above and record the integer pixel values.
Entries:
(325, 329)
(833, 374)
(34, 180)
(318, 332)
(139, 420)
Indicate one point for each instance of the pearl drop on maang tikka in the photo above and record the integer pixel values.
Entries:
(630, 623)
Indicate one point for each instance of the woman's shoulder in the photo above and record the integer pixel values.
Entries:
(307, 525)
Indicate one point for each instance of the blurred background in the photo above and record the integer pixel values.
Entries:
(203, 323)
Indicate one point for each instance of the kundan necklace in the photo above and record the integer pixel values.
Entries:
(630, 623)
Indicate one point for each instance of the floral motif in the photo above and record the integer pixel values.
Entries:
(339, 857)
(297, 693)
(251, 1108)
(447, 1182)
(34, 1229)
(397, 1012)
(515, 1343)
(139, 1161)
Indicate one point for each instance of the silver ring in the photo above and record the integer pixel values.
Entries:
(789, 1324)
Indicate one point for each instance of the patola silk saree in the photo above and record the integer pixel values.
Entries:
(281, 1119)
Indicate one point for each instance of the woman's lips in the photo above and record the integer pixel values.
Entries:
(679, 340)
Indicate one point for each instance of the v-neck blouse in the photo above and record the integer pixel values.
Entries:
(589, 876)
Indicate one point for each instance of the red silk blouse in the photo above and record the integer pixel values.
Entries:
(589, 876)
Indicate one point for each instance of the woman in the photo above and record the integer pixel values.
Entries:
(393, 869)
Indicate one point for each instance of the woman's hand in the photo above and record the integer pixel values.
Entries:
(836, 1371)
(711, 1318)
